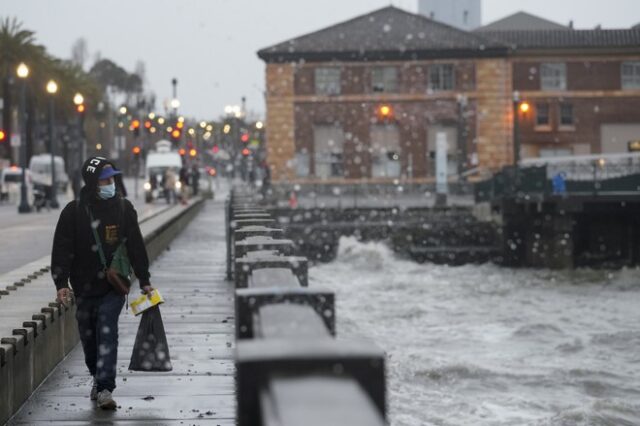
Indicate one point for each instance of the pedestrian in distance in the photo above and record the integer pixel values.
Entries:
(169, 183)
(89, 232)
(195, 179)
(184, 185)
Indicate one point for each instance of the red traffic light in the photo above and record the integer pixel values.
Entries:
(215, 149)
(246, 152)
(3, 135)
(245, 137)
(182, 151)
(136, 150)
(147, 124)
(212, 171)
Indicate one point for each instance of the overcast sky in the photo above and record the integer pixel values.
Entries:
(210, 45)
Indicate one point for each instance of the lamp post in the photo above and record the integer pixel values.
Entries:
(78, 101)
(23, 72)
(462, 137)
(52, 89)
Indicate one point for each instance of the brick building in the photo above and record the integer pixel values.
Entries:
(363, 100)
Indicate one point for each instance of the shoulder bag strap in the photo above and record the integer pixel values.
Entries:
(103, 259)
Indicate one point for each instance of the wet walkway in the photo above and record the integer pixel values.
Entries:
(198, 318)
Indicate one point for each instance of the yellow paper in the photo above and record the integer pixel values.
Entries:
(145, 302)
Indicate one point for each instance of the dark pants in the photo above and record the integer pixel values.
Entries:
(98, 326)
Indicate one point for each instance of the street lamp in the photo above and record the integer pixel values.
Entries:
(78, 100)
(23, 72)
(52, 89)
(462, 101)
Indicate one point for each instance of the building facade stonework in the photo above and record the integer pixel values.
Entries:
(365, 100)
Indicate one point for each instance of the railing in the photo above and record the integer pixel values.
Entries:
(615, 174)
(290, 367)
(588, 167)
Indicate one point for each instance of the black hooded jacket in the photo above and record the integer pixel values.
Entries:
(74, 257)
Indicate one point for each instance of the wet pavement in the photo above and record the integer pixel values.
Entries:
(198, 319)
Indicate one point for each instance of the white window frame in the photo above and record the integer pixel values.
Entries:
(560, 113)
(328, 152)
(384, 79)
(385, 150)
(539, 107)
(553, 76)
(442, 77)
(328, 81)
(630, 75)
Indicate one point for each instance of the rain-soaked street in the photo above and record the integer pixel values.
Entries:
(485, 345)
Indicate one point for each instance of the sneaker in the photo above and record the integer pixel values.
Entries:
(94, 390)
(105, 400)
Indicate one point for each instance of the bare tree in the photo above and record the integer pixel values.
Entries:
(80, 52)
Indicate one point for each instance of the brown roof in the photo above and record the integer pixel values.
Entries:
(567, 39)
(384, 34)
(521, 21)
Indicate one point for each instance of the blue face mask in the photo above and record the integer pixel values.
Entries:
(107, 191)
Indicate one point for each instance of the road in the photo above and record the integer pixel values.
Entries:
(27, 237)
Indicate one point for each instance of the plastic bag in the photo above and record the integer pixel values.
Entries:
(151, 351)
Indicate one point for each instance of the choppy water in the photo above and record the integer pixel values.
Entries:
(484, 345)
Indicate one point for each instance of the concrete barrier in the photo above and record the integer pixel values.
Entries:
(290, 369)
(34, 349)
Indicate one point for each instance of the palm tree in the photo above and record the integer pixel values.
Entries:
(17, 45)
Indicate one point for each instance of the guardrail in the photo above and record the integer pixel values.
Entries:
(38, 344)
(290, 367)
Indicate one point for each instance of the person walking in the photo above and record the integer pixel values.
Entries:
(101, 213)
(169, 183)
(195, 178)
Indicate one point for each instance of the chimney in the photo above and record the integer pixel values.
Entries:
(571, 24)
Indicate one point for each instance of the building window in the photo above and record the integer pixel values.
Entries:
(555, 152)
(441, 77)
(631, 75)
(384, 79)
(566, 115)
(302, 163)
(542, 115)
(328, 142)
(553, 76)
(385, 150)
(327, 81)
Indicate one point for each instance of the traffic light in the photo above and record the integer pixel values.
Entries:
(136, 150)
(246, 152)
(147, 125)
(80, 108)
(182, 152)
(3, 135)
(135, 126)
(193, 152)
(175, 135)
(244, 137)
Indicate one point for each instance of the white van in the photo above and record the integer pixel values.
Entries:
(11, 183)
(157, 163)
(40, 167)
